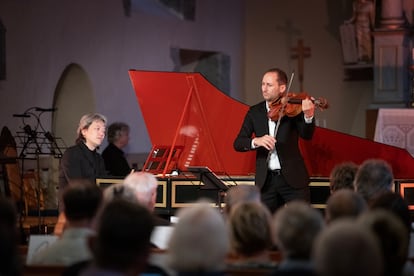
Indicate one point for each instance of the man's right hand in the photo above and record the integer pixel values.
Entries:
(265, 141)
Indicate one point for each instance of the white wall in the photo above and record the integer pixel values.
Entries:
(323, 70)
(43, 37)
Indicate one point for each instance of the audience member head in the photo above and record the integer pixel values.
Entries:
(10, 263)
(344, 248)
(200, 241)
(295, 227)
(118, 134)
(241, 193)
(82, 199)
(392, 237)
(396, 204)
(374, 176)
(88, 120)
(119, 191)
(250, 229)
(123, 236)
(342, 176)
(145, 185)
(344, 203)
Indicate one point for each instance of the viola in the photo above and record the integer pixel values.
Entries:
(291, 105)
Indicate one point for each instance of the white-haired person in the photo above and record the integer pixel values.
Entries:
(145, 185)
(199, 243)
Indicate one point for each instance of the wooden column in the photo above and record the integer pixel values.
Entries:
(391, 57)
(391, 14)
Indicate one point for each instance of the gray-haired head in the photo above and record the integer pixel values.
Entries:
(115, 130)
(200, 229)
(295, 228)
(145, 186)
(374, 176)
(119, 191)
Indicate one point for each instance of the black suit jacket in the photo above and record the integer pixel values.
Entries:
(255, 124)
(79, 162)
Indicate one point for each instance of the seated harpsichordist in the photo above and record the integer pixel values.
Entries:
(82, 161)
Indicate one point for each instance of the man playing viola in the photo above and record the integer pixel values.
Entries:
(281, 173)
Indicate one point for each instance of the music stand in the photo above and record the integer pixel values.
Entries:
(209, 178)
(210, 181)
(162, 159)
(34, 142)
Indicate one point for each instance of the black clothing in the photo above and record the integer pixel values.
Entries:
(276, 192)
(115, 161)
(293, 168)
(79, 162)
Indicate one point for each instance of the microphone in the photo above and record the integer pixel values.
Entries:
(28, 130)
(21, 115)
(49, 137)
(46, 109)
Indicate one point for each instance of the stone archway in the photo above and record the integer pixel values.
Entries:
(73, 98)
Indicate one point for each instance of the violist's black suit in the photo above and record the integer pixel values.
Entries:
(290, 129)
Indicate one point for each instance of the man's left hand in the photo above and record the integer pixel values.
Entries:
(308, 107)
